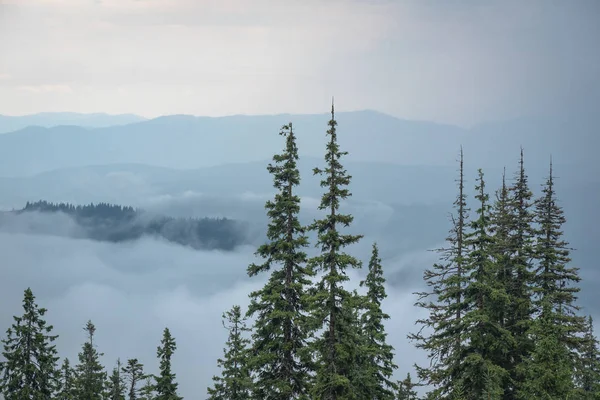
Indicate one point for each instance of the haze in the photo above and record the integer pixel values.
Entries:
(91, 97)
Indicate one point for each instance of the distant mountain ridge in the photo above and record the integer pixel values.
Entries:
(49, 119)
(188, 142)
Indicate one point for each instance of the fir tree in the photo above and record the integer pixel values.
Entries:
(148, 391)
(90, 373)
(486, 341)
(281, 361)
(235, 382)
(335, 349)
(134, 374)
(166, 386)
(68, 382)
(520, 246)
(29, 369)
(406, 389)
(555, 283)
(379, 365)
(445, 304)
(115, 387)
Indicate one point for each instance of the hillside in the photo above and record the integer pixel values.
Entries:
(115, 223)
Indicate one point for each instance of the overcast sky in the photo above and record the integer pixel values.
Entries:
(459, 62)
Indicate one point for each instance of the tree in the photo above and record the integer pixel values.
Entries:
(588, 366)
(555, 283)
(115, 386)
(281, 361)
(520, 247)
(445, 304)
(235, 382)
(379, 365)
(148, 391)
(334, 349)
(486, 340)
(134, 374)
(29, 370)
(166, 386)
(406, 389)
(91, 376)
(68, 382)
(548, 371)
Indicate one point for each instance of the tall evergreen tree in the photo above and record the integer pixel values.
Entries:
(29, 369)
(68, 382)
(486, 341)
(115, 386)
(379, 355)
(166, 386)
(133, 372)
(281, 361)
(90, 373)
(235, 382)
(555, 283)
(445, 304)
(520, 246)
(335, 348)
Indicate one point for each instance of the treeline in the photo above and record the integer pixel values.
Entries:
(116, 223)
(502, 322)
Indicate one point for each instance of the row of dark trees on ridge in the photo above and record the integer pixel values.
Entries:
(502, 322)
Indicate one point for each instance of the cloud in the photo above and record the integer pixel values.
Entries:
(4, 76)
(132, 291)
(46, 89)
(405, 58)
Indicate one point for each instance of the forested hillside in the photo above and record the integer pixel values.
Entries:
(115, 223)
(502, 317)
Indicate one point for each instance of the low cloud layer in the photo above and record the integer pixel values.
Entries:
(132, 291)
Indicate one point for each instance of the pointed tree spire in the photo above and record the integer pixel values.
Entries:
(281, 361)
(29, 369)
(335, 350)
(445, 303)
(235, 382)
(165, 385)
(379, 355)
(91, 376)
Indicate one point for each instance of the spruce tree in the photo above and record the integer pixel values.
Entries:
(486, 341)
(280, 360)
(406, 389)
(115, 386)
(520, 246)
(235, 382)
(445, 304)
(29, 369)
(90, 373)
(335, 349)
(555, 283)
(133, 372)
(379, 365)
(68, 382)
(148, 391)
(166, 386)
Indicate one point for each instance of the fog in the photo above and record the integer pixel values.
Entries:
(132, 291)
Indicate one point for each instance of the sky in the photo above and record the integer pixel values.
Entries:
(459, 62)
